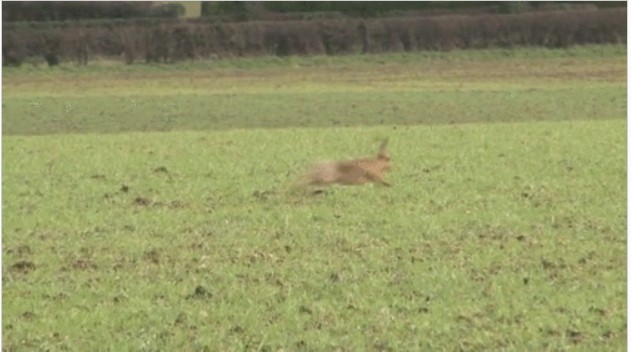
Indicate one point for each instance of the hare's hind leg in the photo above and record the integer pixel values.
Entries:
(306, 188)
(311, 182)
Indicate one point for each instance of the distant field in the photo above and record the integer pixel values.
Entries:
(483, 86)
(148, 209)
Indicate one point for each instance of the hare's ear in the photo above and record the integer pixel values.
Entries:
(382, 148)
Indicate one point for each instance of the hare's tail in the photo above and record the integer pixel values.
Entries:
(300, 182)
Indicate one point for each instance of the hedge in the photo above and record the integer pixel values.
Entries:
(173, 40)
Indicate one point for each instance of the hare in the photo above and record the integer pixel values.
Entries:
(350, 172)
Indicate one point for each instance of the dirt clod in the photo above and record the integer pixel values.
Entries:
(200, 293)
(575, 336)
(28, 315)
(82, 264)
(23, 266)
(142, 201)
(181, 319)
(153, 256)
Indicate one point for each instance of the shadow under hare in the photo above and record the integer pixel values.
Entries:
(349, 172)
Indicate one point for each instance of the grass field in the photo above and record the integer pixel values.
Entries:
(147, 208)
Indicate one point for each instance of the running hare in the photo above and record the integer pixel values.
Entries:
(350, 172)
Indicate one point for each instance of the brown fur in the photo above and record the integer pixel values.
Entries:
(350, 172)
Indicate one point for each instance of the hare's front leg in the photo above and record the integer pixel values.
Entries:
(377, 178)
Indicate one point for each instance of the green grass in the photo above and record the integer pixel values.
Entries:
(494, 236)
